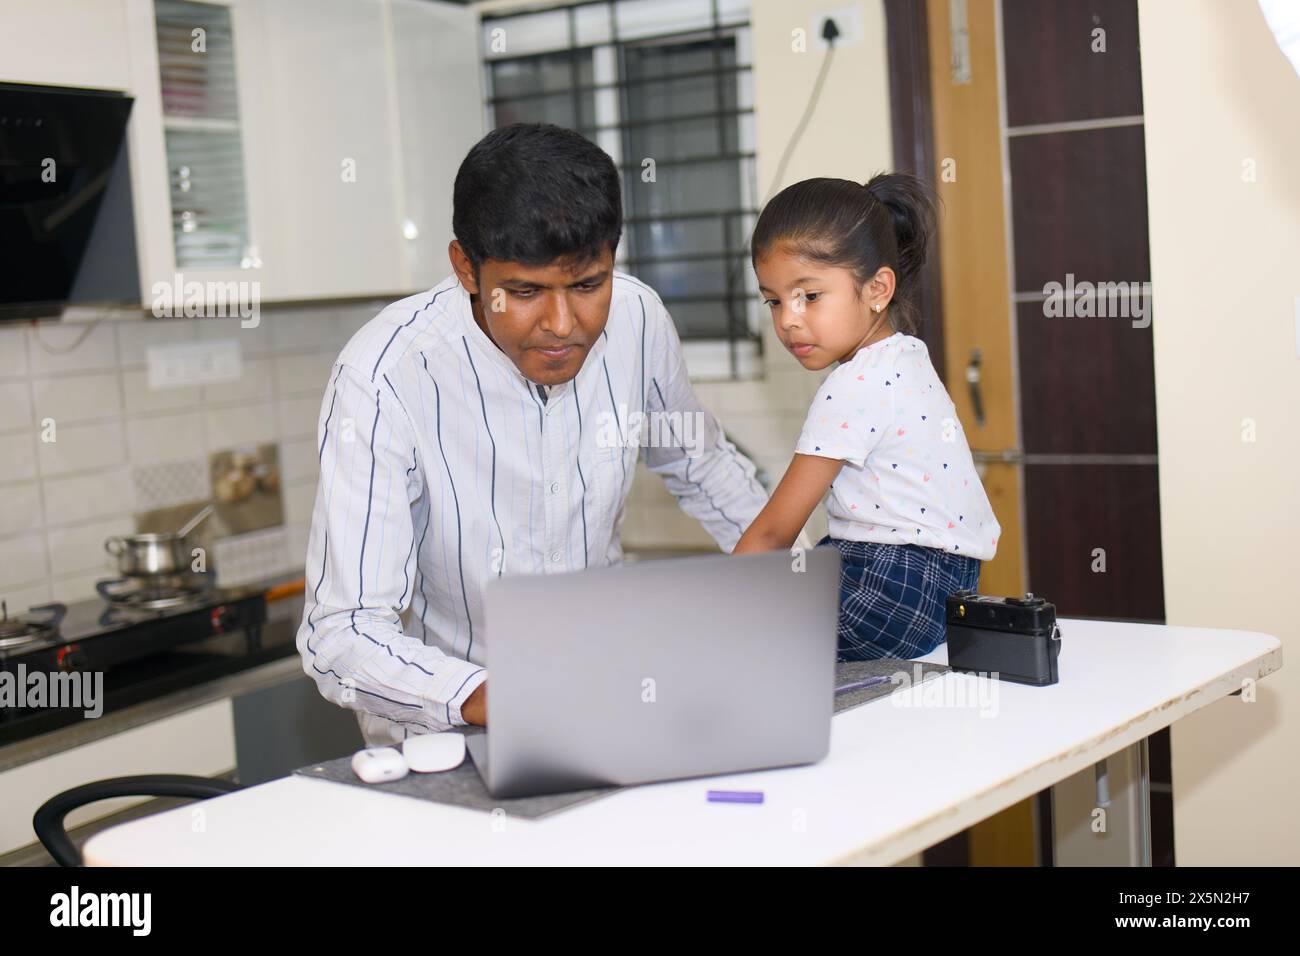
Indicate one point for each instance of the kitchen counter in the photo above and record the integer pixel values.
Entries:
(902, 774)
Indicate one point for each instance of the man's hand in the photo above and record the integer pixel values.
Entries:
(474, 710)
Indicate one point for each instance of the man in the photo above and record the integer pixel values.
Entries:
(464, 435)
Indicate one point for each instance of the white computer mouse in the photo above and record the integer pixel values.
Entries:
(427, 753)
(379, 764)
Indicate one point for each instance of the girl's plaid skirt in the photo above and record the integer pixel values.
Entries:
(892, 597)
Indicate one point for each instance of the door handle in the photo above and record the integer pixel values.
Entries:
(973, 380)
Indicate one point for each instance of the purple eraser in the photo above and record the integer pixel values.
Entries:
(735, 796)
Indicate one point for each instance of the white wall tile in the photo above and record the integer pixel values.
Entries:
(48, 340)
(307, 373)
(299, 459)
(99, 495)
(136, 337)
(769, 437)
(15, 405)
(296, 536)
(81, 547)
(165, 438)
(255, 340)
(255, 556)
(13, 351)
(21, 600)
(256, 383)
(82, 448)
(233, 425)
(140, 398)
(310, 328)
(79, 586)
(352, 317)
(667, 526)
(298, 417)
(707, 393)
(22, 560)
(299, 499)
(77, 398)
(20, 508)
(17, 456)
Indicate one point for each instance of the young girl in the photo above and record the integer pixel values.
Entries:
(838, 264)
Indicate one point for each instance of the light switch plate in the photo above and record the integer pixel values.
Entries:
(194, 363)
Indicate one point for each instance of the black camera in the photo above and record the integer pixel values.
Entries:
(1014, 638)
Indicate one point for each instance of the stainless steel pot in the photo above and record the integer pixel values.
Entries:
(142, 554)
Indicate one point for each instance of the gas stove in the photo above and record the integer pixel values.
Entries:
(19, 632)
(142, 594)
(140, 631)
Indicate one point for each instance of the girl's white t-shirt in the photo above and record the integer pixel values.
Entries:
(908, 476)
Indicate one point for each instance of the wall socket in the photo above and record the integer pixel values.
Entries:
(194, 363)
(848, 20)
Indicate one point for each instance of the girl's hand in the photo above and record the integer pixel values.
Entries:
(779, 523)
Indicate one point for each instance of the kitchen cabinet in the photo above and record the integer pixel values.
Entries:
(358, 113)
(334, 227)
(438, 75)
(196, 126)
(198, 741)
(90, 37)
(353, 116)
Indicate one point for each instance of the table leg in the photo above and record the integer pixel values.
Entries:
(1102, 816)
(1142, 803)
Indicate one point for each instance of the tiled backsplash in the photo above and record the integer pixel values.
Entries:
(121, 448)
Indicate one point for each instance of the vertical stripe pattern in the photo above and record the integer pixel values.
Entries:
(442, 468)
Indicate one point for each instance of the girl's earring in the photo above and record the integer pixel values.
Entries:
(877, 306)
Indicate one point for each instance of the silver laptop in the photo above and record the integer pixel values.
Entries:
(658, 670)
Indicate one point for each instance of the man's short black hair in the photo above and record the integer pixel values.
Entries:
(534, 193)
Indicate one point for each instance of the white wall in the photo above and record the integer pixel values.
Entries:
(1226, 303)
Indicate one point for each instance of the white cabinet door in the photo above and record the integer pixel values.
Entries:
(65, 43)
(150, 191)
(439, 72)
(335, 228)
(370, 106)
(153, 168)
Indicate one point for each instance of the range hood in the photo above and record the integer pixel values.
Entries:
(60, 151)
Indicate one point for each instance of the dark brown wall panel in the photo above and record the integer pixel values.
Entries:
(1073, 509)
(1079, 205)
(1087, 385)
(1054, 76)
(912, 122)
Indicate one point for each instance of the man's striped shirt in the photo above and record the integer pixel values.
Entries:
(442, 466)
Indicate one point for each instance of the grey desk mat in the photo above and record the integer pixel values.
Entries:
(463, 787)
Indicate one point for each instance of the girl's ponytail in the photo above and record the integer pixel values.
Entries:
(912, 209)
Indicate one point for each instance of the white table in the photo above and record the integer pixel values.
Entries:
(898, 778)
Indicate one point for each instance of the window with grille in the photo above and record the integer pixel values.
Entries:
(668, 81)
(201, 125)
